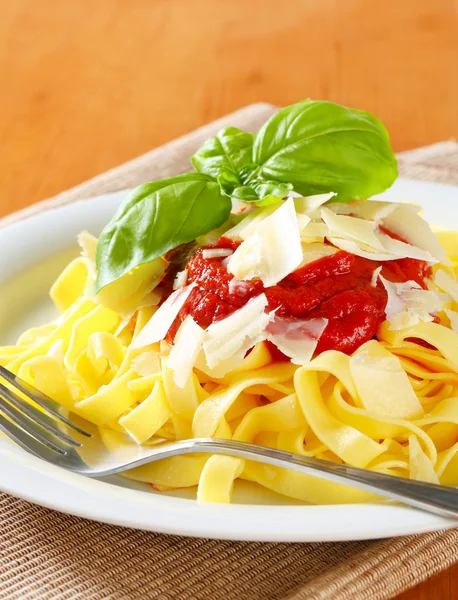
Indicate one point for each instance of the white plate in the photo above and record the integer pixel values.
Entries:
(31, 254)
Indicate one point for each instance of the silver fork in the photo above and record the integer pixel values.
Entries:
(37, 424)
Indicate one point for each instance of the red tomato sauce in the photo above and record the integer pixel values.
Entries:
(336, 287)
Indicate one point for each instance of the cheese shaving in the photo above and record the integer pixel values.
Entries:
(216, 252)
(181, 278)
(157, 327)
(407, 224)
(229, 364)
(185, 350)
(238, 287)
(296, 338)
(248, 224)
(400, 249)
(408, 304)
(309, 205)
(272, 251)
(313, 231)
(375, 276)
(302, 221)
(359, 249)
(352, 228)
(315, 251)
(224, 338)
(372, 210)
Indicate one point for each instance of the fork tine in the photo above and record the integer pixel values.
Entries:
(17, 418)
(48, 404)
(35, 415)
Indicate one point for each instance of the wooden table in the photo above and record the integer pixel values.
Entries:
(88, 84)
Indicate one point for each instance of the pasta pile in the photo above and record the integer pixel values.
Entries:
(392, 407)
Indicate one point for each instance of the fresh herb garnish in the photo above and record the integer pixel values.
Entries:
(311, 148)
(322, 147)
(157, 217)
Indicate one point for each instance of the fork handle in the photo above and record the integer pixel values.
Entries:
(438, 499)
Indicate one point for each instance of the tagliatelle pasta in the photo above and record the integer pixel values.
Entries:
(389, 406)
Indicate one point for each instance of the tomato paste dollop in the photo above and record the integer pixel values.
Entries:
(336, 287)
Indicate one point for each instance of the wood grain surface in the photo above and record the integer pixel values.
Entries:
(88, 84)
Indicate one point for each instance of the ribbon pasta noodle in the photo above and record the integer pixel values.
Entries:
(391, 406)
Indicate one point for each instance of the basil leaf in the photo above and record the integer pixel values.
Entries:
(229, 150)
(245, 193)
(155, 218)
(247, 171)
(228, 181)
(259, 190)
(269, 201)
(323, 147)
(273, 188)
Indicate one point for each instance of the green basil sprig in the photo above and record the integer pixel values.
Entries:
(311, 147)
(157, 217)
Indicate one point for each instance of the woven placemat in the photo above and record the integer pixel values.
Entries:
(46, 555)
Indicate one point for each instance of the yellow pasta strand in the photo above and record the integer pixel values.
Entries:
(348, 443)
(217, 479)
(70, 285)
(143, 421)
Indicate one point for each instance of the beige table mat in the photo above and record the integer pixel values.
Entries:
(45, 555)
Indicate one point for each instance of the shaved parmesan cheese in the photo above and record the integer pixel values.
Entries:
(308, 205)
(302, 221)
(272, 251)
(296, 338)
(226, 337)
(371, 210)
(396, 303)
(382, 384)
(402, 250)
(315, 251)
(157, 327)
(238, 287)
(352, 228)
(313, 231)
(229, 364)
(375, 276)
(408, 304)
(447, 284)
(406, 319)
(453, 316)
(185, 350)
(359, 249)
(225, 261)
(180, 280)
(407, 224)
(146, 364)
(248, 224)
(216, 252)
